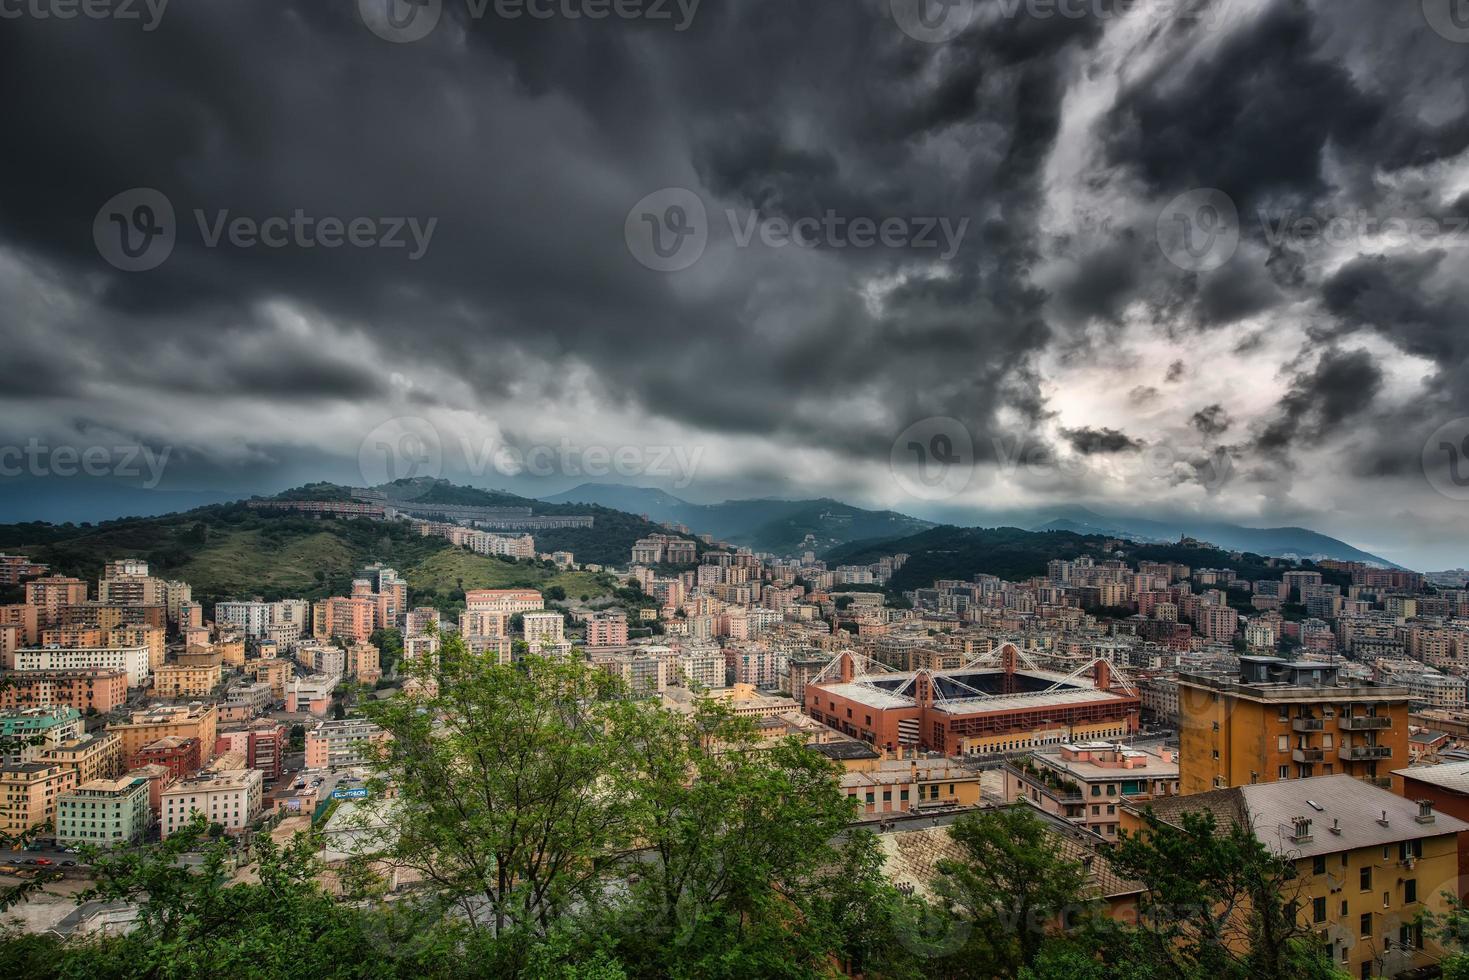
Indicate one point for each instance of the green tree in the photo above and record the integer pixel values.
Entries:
(1218, 903)
(1012, 884)
(502, 779)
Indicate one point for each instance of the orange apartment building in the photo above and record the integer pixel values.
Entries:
(26, 617)
(1283, 719)
(91, 757)
(51, 594)
(348, 617)
(192, 721)
(28, 794)
(102, 688)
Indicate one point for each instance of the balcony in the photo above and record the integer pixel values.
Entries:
(1365, 753)
(1307, 725)
(1365, 723)
(1308, 755)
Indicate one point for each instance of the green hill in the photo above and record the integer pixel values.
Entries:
(229, 551)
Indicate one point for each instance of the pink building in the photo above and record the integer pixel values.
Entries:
(607, 629)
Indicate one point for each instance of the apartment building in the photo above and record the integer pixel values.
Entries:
(133, 661)
(181, 757)
(28, 794)
(159, 721)
(1281, 719)
(52, 593)
(24, 616)
(1087, 783)
(96, 756)
(230, 798)
(895, 785)
(508, 601)
(104, 812)
(186, 681)
(607, 629)
(99, 689)
(28, 732)
(1368, 862)
(275, 672)
(262, 744)
(545, 633)
(347, 742)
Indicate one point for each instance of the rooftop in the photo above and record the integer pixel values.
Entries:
(1345, 814)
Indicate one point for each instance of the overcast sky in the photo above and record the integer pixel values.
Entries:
(1151, 256)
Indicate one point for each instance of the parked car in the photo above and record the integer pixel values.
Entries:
(68, 864)
(42, 862)
(30, 860)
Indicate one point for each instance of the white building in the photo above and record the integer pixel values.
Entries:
(230, 799)
(132, 660)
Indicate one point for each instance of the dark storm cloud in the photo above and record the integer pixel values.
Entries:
(1342, 385)
(517, 142)
(1212, 420)
(530, 140)
(1090, 442)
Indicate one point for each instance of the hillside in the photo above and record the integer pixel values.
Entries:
(1278, 542)
(1013, 553)
(764, 524)
(963, 552)
(230, 551)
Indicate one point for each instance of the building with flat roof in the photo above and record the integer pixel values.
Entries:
(104, 812)
(1282, 719)
(133, 660)
(346, 742)
(1089, 782)
(180, 756)
(28, 794)
(28, 732)
(230, 798)
(990, 705)
(185, 721)
(102, 689)
(95, 756)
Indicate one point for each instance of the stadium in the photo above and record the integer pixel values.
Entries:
(999, 702)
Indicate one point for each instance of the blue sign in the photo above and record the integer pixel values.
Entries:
(352, 793)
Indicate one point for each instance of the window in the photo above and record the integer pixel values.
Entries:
(1282, 743)
(1410, 890)
(1364, 924)
(1364, 876)
(1318, 910)
(1318, 865)
(1283, 772)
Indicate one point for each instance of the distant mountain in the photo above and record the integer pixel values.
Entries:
(1275, 542)
(765, 524)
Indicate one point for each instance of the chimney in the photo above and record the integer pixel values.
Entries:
(1425, 811)
(1335, 827)
(1302, 831)
(1383, 819)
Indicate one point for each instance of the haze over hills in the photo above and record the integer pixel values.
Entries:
(779, 525)
(764, 524)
